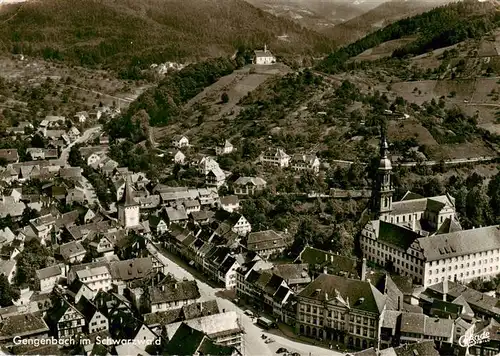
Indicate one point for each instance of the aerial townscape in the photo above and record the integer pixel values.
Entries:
(250, 177)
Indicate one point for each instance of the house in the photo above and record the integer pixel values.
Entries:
(333, 263)
(81, 116)
(216, 177)
(275, 157)
(157, 225)
(172, 295)
(96, 320)
(179, 157)
(264, 57)
(224, 328)
(230, 203)
(66, 320)
(206, 164)
(266, 243)
(224, 148)
(301, 162)
(48, 277)
(22, 326)
(235, 222)
(248, 185)
(75, 196)
(180, 141)
(72, 252)
(186, 340)
(10, 155)
(296, 275)
(186, 312)
(42, 153)
(226, 272)
(95, 275)
(191, 206)
(78, 289)
(176, 215)
(8, 269)
(102, 244)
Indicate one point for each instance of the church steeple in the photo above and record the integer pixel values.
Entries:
(128, 194)
(382, 193)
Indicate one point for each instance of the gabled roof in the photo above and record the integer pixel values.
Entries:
(22, 325)
(131, 269)
(48, 272)
(256, 181)
(396, 235)
(178, 291)
(361, 295)
(71, 249)
(87, 308)
(185, 341)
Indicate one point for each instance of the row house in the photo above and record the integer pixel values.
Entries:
(257, 284)
(171, 296)
(66, 320)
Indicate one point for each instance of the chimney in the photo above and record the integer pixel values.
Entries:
(445, 288)
(325, 270)
(265, 48)
(363, 269)
(399, 303)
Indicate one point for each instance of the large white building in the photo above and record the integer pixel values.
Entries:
(422, 238)
(264, 57)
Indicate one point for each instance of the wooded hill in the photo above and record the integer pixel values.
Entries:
(126, 33)
(440, 27)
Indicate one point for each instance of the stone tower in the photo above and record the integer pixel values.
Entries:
(382, 197)
(128, 209)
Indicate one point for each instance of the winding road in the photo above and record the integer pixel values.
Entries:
(87, 135)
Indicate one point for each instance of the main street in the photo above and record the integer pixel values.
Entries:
(253, 344)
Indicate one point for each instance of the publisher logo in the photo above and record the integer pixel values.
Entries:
(471, 340)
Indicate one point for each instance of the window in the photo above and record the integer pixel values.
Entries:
(372, 322)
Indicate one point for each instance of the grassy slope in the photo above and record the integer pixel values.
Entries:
(112, 32)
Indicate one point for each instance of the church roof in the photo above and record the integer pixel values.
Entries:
(128, 196)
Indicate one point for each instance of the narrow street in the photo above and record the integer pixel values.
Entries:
(86, 136)
(253, 344)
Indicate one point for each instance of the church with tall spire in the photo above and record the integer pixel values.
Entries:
(128, 208)
(411, 236)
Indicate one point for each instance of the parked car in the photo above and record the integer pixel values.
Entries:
(248, 312)
(281, 350)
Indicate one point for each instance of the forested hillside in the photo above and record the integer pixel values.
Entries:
(126, 33)
(437, 28)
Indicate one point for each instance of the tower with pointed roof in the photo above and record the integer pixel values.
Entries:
(128, 209)
(382, 197)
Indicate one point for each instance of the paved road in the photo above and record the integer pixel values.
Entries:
(252, 341)
(87, 135)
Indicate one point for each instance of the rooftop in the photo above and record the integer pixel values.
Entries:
(355, 293)
(174, 292)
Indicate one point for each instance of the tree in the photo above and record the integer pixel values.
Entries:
(75, 158)
(37, 141)
(7, 292)
(224, 98)
(28, 214)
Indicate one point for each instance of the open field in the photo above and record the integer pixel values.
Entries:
(384, 50)
(406, 129)
(87, 87)
(416, 92)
